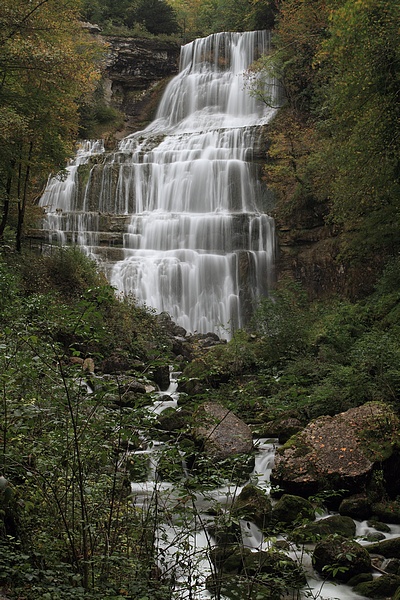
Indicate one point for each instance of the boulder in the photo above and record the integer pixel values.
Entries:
(277, 565)
(237, 587)
(171, 420)
(161, 376)
(388, 512)
(357, 507)
(387, 548)
(292, 509)
(255, 575)
(254, 505)
(335, 524)
(340, 558)
(381, 587)
(220, 432)
(391, 565)
(339, 452)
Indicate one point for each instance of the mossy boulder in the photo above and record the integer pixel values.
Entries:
(340, 558)
(237, 587)
(253, 505)
(277, 565)
(391, 565)
(384, 586)
(291, 509)
(171, 420)
(240, 572)
(341, 452)
(388, 512)
(387, 548)
(335, 524)
(228, 558)
(357, 507)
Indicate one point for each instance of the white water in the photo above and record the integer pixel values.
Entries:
(183, 543)
(199, 244)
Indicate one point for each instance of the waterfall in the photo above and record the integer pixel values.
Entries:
(198, 243)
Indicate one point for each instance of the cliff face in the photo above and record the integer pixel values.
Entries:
(136, 72)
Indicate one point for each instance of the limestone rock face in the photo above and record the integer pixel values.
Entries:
(338, 452)
(221, 432)
(133, 69)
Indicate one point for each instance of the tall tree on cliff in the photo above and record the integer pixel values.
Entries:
(362, 111)
(47, 64)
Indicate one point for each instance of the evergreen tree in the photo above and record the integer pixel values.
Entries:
(157, 16)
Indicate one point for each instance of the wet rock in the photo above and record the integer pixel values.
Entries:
(361, 578)
(338, 452)
(381, 587)
(388, 512)
(242, 572)
(374, 536)
(254, 505)
(387, 548)
(391, 565)
(378, 525)
(357, 507)
(171, 420)
(340, 558)
(220, 432)
(275, 564)
(161, 377)
(335, 524)
(133, 68)
(283, 429)
(292, 509)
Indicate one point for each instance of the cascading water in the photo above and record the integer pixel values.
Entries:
(199, 244)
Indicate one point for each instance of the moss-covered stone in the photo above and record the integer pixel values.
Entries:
(361, 578)
(254, 505)
(335, 524)
(292, 509)
(340, 558)
(381, 587)
(237, 587)
(378, 525)
(387, 548)
(388, 512)
(277, 565)
(356, 507)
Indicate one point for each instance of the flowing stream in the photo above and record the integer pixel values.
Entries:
(198, 242)
(183, 541)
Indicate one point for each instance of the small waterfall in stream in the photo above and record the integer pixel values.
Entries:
(198, 243)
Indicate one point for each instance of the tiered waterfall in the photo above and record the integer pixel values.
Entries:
(197, 242)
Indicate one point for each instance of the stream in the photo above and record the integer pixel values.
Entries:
(182, 538)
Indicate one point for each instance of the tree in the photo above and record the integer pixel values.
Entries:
(47, 64)
(157, 16)
(362, 126)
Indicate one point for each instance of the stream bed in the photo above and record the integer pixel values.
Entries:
(183, 539)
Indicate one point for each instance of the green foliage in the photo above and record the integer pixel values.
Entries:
(157, 16)
(47, 61)
(282, 321)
